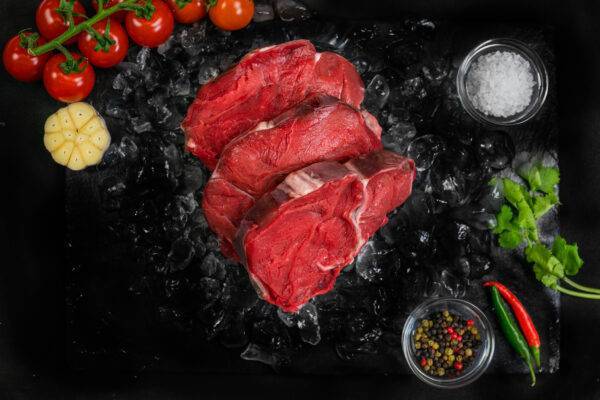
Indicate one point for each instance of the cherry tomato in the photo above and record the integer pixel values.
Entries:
(231, 15)
(71, 87)
(115, 53)
(51, 24)
(192, 12)
(119, 15)
(20, 64)
(152, 32)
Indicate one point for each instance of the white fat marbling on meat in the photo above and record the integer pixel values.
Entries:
(264, 125)
(300, 184)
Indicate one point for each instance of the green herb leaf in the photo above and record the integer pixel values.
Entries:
(568, 255)
(549, 178)
(503, 219)
(542, 204)
(510, 239)
(519, 197)
(541, 178)
(547, 268)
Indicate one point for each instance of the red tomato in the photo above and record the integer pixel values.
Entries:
(68, 88)
(231, 15)
(51, 24)
(117, 51)
(119, 15)
(20, 64)
(191, 12)
(152, 32)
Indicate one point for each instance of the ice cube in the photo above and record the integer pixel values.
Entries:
(291, 10)
(263, 12)
(191, 38)
(424, 150)
(376, 94)
(181, 87)
(307, 322)
(207, 73)
(254, 352)
(370, 262)
(495, 148)
(142, 57)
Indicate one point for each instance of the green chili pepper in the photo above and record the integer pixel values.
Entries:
(511, 331)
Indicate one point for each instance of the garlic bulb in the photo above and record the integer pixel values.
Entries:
(76, 136)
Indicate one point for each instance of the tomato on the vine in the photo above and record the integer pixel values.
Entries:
(110, 53)
(154, 31)
(19, 63)
(231, 15)
(186, 11)
(68, 87)
(119, 15)
(51, 24)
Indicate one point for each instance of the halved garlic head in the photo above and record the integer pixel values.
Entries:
(76, 136)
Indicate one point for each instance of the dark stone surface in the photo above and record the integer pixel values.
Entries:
(32, 279)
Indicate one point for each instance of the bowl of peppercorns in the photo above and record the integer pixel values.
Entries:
(447, 342)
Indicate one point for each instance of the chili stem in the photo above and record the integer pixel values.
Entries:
(577, 294)
(581, 287)
(74, 30)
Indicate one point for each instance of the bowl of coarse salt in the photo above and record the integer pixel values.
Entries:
(502, 82)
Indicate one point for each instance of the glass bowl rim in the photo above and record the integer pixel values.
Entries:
(481, 364)
(538, 69)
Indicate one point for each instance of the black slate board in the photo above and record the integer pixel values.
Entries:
(112, 325)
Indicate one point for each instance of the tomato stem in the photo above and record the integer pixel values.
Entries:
(74, 30)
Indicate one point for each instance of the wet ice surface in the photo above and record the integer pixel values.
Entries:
(155, 283)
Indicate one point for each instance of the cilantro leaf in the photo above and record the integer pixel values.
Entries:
(510, 239)
(568, 255)
(549, 178)
(547, 268)
(503, 219)
(519, 197)
(540, 178)
(542, 204)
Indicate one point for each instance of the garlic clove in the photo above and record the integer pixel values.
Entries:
(63, 153)
(81, 113)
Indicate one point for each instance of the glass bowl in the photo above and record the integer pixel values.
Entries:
(538, 70)
(465, 309)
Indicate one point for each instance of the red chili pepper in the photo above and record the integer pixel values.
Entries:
(423, 362)
(453, 336)
(458, 365)
(459, 338)
(525, 322)
(450, 330)
(470, 322)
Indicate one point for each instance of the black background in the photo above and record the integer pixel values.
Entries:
(32, 337)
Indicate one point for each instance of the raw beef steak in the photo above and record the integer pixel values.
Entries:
(296, 239)
(264, 83)
(319, 128)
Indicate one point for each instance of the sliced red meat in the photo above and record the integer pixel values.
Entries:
(319, 128)
(296, 239)
(263, 84)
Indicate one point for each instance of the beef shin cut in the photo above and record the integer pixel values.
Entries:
(296, 239)
(264, 83)
(319, 128)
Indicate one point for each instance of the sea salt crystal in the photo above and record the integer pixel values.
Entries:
(500, 83)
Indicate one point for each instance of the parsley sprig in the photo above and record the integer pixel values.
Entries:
(516, 223)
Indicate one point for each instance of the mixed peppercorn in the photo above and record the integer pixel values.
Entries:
(445, 344)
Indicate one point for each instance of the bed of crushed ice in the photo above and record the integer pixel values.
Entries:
(435, 244)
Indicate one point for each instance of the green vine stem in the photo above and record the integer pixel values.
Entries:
(74, 30)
